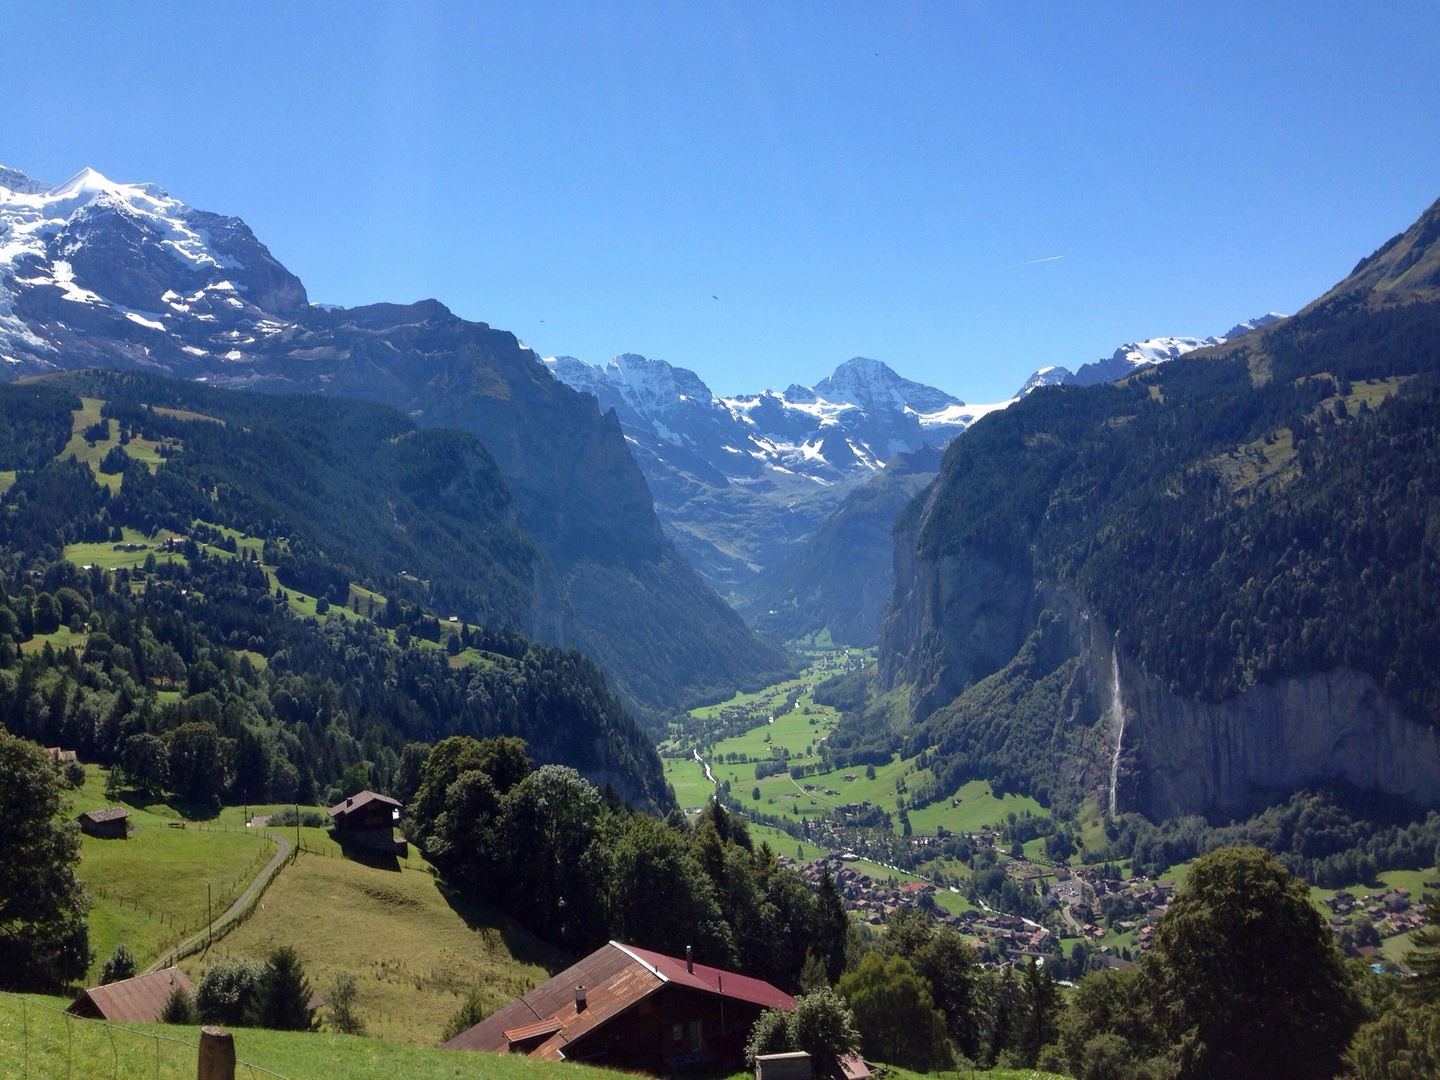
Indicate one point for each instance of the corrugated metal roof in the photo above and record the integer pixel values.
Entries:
(713, 980)
(355, 802)
(140, 1000)
(110, 813)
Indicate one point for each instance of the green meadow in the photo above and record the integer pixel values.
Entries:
(150, 890)
(415, 950)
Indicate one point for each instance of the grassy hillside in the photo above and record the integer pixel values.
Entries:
(82, 1050)
(415, 950)
(102, 1052)
(150, 890)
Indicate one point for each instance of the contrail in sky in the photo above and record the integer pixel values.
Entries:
(1049, 258)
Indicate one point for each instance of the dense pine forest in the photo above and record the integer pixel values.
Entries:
(205, 639)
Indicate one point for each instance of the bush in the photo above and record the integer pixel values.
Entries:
(121, 965)
(229, 992)
(341, 1001)
(470, 1013)
(74, 774)
(179, 1008)
(772, 1034)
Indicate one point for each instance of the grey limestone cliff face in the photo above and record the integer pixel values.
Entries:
(956, 619)
(951, 621)
(1233, 757)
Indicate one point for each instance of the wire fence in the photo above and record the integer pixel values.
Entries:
(180, 928)
(39, 1041)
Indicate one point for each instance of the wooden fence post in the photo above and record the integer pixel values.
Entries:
(217, 1055)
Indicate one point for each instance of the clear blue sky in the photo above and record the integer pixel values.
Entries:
(867, 179)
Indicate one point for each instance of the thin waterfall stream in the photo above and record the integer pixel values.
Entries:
(1117, 702)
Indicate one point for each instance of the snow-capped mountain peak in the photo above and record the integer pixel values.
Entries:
(1135, 355)
(94, 261)
(872, 385)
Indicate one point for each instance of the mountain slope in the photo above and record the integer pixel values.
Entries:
(94, 273)
(273, 495)
(740, 482)
(840, 578)
(1244, 567)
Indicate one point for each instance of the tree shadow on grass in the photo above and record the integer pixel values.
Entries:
(148, 802)
(519, 942)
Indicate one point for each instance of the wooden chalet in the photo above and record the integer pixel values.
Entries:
(140, 1000)
(629, 1008)
(368, 820)
(111, 823)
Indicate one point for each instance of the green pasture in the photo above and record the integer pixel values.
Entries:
(415, 949)
(105, 555)
(37, 1040)
(149, 890)
(63, 638)
(976, 805)
(692, 790)
(138, 448)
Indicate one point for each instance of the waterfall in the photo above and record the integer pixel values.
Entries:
(1117, 702)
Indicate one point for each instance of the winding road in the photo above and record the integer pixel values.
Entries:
(233, 913)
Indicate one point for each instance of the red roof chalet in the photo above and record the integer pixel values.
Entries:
(633, 1009)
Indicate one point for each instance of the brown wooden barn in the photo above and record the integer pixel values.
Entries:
(368, 820)
(630, 1008)
(140, 1000)
(112, 823)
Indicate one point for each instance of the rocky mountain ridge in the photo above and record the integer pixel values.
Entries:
(1242, 526)
(95, 273)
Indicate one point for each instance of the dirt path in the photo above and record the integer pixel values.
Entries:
(231, 915)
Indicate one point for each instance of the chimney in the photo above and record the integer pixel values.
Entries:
(689, 960)
(580, 999)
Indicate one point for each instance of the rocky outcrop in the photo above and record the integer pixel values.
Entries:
(952, 621)
(1234, 757)
(952, 617)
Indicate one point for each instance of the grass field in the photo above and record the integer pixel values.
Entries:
(138, 448)
(798, 735)
(150, 889)
(414, 954)
(37, 1041)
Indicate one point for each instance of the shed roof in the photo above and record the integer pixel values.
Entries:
(364, 798)
(140, 1000)
(110, 813)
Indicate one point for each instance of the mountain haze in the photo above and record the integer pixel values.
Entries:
(739, 482)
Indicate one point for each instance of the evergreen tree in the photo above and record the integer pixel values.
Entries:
(120, 965)
(284, 994)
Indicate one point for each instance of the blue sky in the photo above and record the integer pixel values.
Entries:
(868, 179)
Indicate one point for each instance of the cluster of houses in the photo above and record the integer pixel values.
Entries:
(875, 901)
(1132, 904)
(1390, 912)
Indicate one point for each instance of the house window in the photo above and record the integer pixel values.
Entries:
(694, 1035)
(677, 1034)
